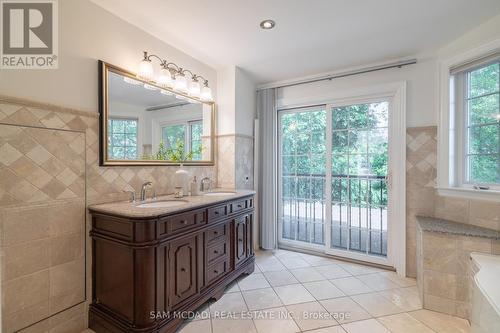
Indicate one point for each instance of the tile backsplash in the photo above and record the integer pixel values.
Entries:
(49, 173)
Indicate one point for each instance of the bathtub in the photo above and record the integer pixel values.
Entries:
(485, 312)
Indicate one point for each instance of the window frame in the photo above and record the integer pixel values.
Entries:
(187, 132)
(120, 118)
(451, 172)
(463, 111)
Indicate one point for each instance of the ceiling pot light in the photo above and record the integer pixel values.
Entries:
(267, 24)
(166, 92)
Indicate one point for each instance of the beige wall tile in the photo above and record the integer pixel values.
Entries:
(68, 217)
(66, 248)
(66, 278)
(439, 304)
(25, 291)
(439, 284)
(26, 258)
(25, 317)
(453, 209)
(25, 224)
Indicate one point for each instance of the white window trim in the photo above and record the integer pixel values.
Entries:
(396, 92)
(447, 184)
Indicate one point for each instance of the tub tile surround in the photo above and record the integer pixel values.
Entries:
(49, 159)
(444, 272)
(422, 198)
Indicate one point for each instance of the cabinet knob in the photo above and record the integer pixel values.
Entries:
(216, 272)
(240, 239)
(183, 222)
(239, 206)
(183, 269)
(216, 232)
(216, 213)
(216, 252)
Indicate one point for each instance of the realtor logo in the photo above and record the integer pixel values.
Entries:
(29, 34)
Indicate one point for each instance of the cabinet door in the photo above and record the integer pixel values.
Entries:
(184, 267)
(243, 238)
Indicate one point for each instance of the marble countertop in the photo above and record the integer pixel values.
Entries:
(433, 224)
(130, 210)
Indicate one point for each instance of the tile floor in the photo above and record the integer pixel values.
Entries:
(294, 292)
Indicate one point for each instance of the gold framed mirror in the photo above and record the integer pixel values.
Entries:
(142, 123)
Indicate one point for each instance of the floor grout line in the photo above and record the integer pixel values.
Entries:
(350, 297)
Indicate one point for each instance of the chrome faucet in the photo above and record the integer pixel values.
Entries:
(143, 190)
(206, 184)
(132, 195)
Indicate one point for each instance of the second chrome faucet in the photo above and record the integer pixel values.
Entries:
(144, 189)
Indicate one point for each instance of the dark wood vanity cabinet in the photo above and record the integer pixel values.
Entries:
(243, 238)
(148, 274)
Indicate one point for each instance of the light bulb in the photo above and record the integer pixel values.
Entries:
(165, 78)
(194, 89)
(146, 71)
(206, 94)
(150, 87)
(131, 81)
(181, 83)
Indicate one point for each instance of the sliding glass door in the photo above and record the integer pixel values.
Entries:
(303, 175)
(333, 166)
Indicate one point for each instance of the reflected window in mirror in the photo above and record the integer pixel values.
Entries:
(187, 135)
(195, 143)
(122, 138)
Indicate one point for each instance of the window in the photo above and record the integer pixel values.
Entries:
(469, 125)
(188, 134)
(195, 144)
(122, 138)
(173, 134)
(482, 115)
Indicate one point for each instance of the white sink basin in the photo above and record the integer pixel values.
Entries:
(221, 193)
(162, 204)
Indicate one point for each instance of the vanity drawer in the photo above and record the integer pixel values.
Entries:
(217, 251)
(216, 271)
(216, 233)
(217, 212)
(180, 222)
(240, 205)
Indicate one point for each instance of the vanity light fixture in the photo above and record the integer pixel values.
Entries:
(173, 76)
(267, 24)
(131, 81)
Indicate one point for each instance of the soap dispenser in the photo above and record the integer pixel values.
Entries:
(193, 187)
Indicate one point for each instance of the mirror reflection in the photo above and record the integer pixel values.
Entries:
(145, 123)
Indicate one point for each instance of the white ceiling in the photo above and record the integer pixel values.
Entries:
(310, 36)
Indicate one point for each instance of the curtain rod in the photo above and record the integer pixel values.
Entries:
(397, 64)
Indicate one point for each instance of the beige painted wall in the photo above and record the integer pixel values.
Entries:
(88, 33)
